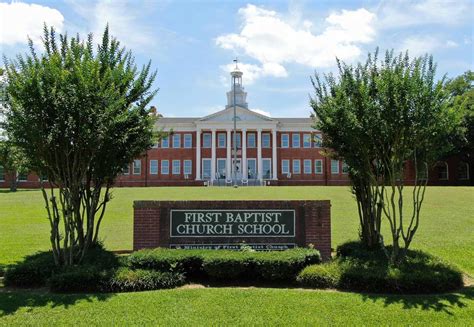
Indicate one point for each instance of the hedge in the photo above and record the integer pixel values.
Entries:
(227, 265)
(357, 269)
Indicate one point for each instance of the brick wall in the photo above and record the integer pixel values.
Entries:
(151, 223)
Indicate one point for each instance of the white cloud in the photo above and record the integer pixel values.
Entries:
(274, 41)
(125, 21)
(253, 72)
(405, 13)
(19, 20)
(420, 45)
(261, 112)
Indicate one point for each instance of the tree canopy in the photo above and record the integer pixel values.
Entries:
(79, 113)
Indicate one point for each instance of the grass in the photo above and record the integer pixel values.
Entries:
(446, 231)
(446, 228)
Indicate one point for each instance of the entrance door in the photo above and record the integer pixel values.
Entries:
(238, 169)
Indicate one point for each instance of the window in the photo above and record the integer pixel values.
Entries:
(307, 141)
(176, 169)
(285, 141)
(251, 140)
(307, 166)
(442, 168)
(2, 173)
(221, 169)
(187, 167)
(463, 171)
(153, 167)
(155, 145)
(334, 167)
(165, 167)
(239, 139)
(285, 166)
(296, 167)
(188, 141)
(267, 168)
(126, 170)
(176, 141)
(137, 167)
(295, 141)
(206, 168)
(265, 140)
(345, 168)
(22, 176)
(318, 140)
(252, 168)
(206, 140)
(221, 140)
(165, 142)
(318, 166)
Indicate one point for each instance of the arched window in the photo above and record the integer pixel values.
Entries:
(2, 174)
(442, 168)
(463, 170)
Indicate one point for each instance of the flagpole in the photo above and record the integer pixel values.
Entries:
(235, 130)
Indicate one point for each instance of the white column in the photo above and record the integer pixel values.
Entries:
(274, 154)
(244, 154)
(213, 155)
(259, 154)
(198, 154)
(227, 162)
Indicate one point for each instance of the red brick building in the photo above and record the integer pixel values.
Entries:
(269, 151)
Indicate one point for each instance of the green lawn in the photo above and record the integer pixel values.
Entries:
(447, 230)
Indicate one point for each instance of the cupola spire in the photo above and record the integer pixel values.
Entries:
(240, 95)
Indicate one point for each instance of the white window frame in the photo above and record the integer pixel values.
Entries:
(293, 139)
(334, 172)
(221, 140)
(266, 136)
(254, 139)
(187, 164)
(306, 161)
(270, 170)
(165, 142)
(165, 167)
(225, 166)
(285, 137)
(135, 166)
(157, 170)
(202, 167)
(306, 140)
(287, 170)
(126, 172)
(255, 165)
(299, 167)
(318, 140)
(345, 166)
(189, 138)
(204, 137)
(173, 166)
(176, 137)
(315, 167)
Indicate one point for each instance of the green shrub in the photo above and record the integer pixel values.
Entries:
(324, 275)
(84, 278)
(358, 269)
(127, 280)
(231, 265)
(35, 270)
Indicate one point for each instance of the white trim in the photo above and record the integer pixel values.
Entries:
(157, 168)
(184, 167)
(293, 166)
(179, 167)
(167, 166)
(310, 166)
(139, 166)
(335, 172)
(184, 140)
(287, 140)
(288, 166)
(322, 167)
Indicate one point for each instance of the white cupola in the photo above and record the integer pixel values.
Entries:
(240, 94)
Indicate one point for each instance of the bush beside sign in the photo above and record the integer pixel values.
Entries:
(262, 225)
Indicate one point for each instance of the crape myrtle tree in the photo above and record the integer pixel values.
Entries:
(80, 115)
(379, 116)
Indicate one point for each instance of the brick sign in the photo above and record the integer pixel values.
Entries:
(262, 225)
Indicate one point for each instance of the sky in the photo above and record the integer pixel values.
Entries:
(279, 44)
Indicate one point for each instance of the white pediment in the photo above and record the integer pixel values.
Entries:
(243, 114)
